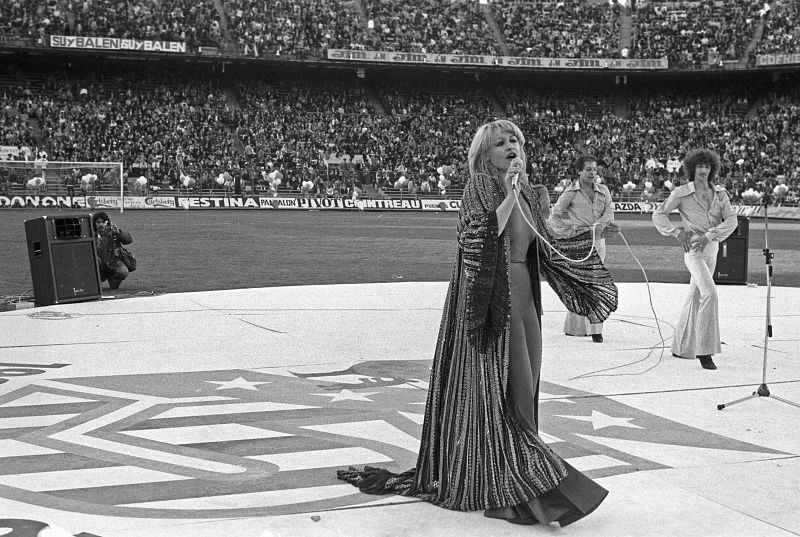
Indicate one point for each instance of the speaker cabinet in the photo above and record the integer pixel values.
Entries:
(63, 259)
(732, 255)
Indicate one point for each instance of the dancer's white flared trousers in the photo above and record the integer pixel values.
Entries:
(697, 330)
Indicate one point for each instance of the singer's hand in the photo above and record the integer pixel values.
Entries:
(513, 174)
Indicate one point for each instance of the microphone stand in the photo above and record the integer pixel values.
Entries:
(763, 389)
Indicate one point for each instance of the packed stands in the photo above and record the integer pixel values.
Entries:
(301, 28)
(193, 22)
(336, 130)
(32, 19)
(690, 33)
(456, 27)
(565, 29)
(781, 29)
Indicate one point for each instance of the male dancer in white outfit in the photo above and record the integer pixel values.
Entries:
(708, 219)
(582, 204)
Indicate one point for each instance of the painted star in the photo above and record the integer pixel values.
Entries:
(238, 382)
(600, 420)
(347, 395)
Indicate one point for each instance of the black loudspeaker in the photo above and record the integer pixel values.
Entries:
(63, 259)
(732, 256)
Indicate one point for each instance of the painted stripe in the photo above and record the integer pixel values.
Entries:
(46, 398)
(549, 438)
(233, 408)
(679, 456)
(81, 435)
(26, 422)
(254, 499)
(416, 418)
(15, 448)
(87, 478)
(323, 458)
(199, 434)
(377, 430)
(594, 462)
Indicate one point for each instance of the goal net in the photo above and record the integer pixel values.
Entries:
(61, 178)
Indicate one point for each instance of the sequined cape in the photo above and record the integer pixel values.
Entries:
(474, 454)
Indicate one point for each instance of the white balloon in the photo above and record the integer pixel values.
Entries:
(141, 181)
(751, 195)
(648, 185)
(220, 180)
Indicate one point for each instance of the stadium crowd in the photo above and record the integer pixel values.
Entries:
(301, 28)
(690, 33)
(781, 30)
(345, 134)
(323, 133)
(192, 22)
(567, 29)
(427, 26)
(32, 19)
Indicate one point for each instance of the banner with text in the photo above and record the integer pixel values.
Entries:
(763, 60)
(341, 204)
(113, 43)
(474, 60)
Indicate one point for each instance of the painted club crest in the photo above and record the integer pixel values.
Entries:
(238, 443)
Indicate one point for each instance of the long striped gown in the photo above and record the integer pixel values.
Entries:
(480, 449)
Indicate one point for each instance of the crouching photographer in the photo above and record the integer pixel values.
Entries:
(114, 261)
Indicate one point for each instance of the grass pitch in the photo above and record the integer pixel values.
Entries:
(181, 251)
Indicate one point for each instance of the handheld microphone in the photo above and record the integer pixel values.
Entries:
(515, 177)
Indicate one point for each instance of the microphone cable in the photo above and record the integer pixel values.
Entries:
(602, 372)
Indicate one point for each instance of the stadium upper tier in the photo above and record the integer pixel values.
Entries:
(690, 34)
(327, 129)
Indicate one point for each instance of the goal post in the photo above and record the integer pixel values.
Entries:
(76, 178)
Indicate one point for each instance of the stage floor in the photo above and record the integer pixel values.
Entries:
(228, 413)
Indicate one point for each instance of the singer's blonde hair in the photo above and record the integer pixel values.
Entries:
(478, 163)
